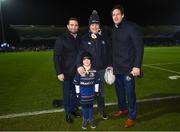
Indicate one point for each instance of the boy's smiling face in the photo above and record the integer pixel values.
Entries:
(86, 62)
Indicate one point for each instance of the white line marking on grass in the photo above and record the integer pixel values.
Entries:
(61, 110)
(157, 64)
(163, 69)
(31, 113)
(174, 77)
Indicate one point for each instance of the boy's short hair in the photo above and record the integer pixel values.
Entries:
(86, 55)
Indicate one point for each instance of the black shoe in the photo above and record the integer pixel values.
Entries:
(92, 124)
(69, 119)
(104, 116)
(76, 113)
(84, 125)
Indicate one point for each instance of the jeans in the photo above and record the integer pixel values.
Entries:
(126, 84)
(69, 97)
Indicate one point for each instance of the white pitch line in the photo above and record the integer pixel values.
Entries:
(157, 64)
(61, 110)
(31, 113)
(163, 69)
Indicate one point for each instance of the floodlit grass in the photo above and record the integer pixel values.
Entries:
(28, 83)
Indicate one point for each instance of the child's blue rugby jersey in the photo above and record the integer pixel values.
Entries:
(87, 85)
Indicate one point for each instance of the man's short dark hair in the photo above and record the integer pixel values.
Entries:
(73, 19)
(119, 7)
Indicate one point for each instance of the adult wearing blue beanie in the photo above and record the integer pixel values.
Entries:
(98, 44)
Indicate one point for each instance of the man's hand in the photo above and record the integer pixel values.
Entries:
(135, 71)
(81, 70)
(61, 77)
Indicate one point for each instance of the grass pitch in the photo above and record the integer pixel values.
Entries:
(28, 83)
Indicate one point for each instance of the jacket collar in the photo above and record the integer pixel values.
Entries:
(118, 25)
(74, 35)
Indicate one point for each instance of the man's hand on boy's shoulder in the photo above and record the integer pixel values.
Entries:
(81, 70)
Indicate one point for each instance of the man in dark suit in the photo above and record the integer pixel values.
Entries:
(65, 53)
(127, 54)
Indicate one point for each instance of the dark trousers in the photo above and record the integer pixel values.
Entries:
(100, 98)
(87, 112)
(69, 97)
(125, 84)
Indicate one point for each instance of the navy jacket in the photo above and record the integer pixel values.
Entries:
(100, 48)
(65, 55)
(127, 47)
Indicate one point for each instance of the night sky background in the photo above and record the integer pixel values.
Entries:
(57, 12)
